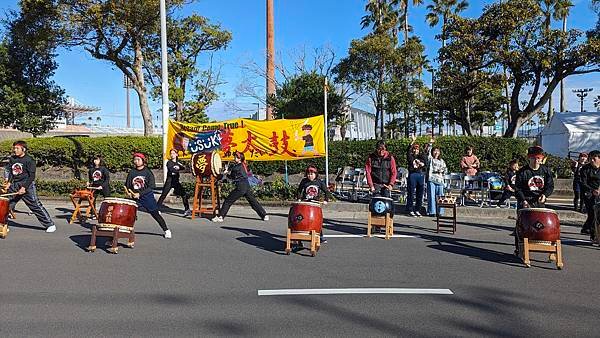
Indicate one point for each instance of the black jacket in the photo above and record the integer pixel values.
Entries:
(531, 184)
(173, 170)
(21, 171)
(99, 177)
(140, 181)
(310, 190)
(411, 162)
(590, 178)
(238, 174)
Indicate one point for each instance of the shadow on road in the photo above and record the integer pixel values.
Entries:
(261, 239)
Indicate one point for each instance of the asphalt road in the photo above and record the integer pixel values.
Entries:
(205, 281)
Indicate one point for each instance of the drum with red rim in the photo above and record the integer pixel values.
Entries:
(539, 224)
(117, 212)
(305, 216)
(4, 210)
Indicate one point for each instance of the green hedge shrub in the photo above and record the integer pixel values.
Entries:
(275, 191)
(75, 152)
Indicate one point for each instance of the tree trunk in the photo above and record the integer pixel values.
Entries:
(141, 90)
(343, 132)
(466, 119)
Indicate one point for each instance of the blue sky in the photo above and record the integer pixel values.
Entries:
(298, 24)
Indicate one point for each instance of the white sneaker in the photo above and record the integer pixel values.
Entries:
(187, 213)
(168, 234)
(418, 214)
(217, 219)
(266, 218)
(51, 228)
(413, 214)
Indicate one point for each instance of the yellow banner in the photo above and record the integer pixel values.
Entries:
(258, 140)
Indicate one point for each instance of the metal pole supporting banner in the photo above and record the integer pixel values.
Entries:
(165, 81)
(326, 136)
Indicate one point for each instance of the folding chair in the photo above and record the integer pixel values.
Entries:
(472, 184)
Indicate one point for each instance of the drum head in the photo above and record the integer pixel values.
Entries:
(216, 164)
(312, 204)
(550, 211)
(381, 198)
(115, 200)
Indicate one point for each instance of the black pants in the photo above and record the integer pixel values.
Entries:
(242, 189)
(178, 191)
(382, 191)
(506, 194)
(578, 196)
(589, 222)
(33, 203)
(534, 203)
(105, 192)
(159, 219)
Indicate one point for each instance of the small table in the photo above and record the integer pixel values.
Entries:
(446, 205)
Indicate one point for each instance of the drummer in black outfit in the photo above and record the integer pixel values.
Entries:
(99, 178)
(534, 183)
(140, 186)
(175, 167)
(238, 173)
(590, 184)
(311, 187)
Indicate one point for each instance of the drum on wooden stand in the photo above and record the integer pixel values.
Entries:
(117, 212)
(116, 219)
(538, 230)
(4, 211)
(381, 212)
(305, 223)
(381, 206)
(207, 164)
(305, 216)
(539, 224)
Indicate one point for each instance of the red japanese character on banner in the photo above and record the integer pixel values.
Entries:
(250, 146)
(274, 144)
(227, 140)
(284, 143)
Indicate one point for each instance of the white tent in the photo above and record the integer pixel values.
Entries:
(571, 132)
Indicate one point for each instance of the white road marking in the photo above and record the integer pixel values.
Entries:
(362, 236)
(350, 291)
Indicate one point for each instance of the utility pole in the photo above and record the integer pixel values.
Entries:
(270, 56)
(581, 94)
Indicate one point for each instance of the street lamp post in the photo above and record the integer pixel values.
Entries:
(127, 84)
(433, 99)
(581, 94)
(165, 82)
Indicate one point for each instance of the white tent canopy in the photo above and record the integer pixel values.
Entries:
(571, 132)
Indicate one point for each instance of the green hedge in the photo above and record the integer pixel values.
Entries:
(275, 191)
(75, 152)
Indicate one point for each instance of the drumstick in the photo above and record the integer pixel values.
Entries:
(12, 193)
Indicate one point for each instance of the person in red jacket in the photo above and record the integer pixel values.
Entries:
(381, 171)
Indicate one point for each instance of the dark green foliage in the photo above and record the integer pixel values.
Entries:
(303, 96)
(30, 101)
(77, 151)
(494, 153)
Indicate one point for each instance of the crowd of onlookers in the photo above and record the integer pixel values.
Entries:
(530, 184)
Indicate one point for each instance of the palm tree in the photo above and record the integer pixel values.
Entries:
(444, 9)
(404, 4)
(343, 122)
(559, 10)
